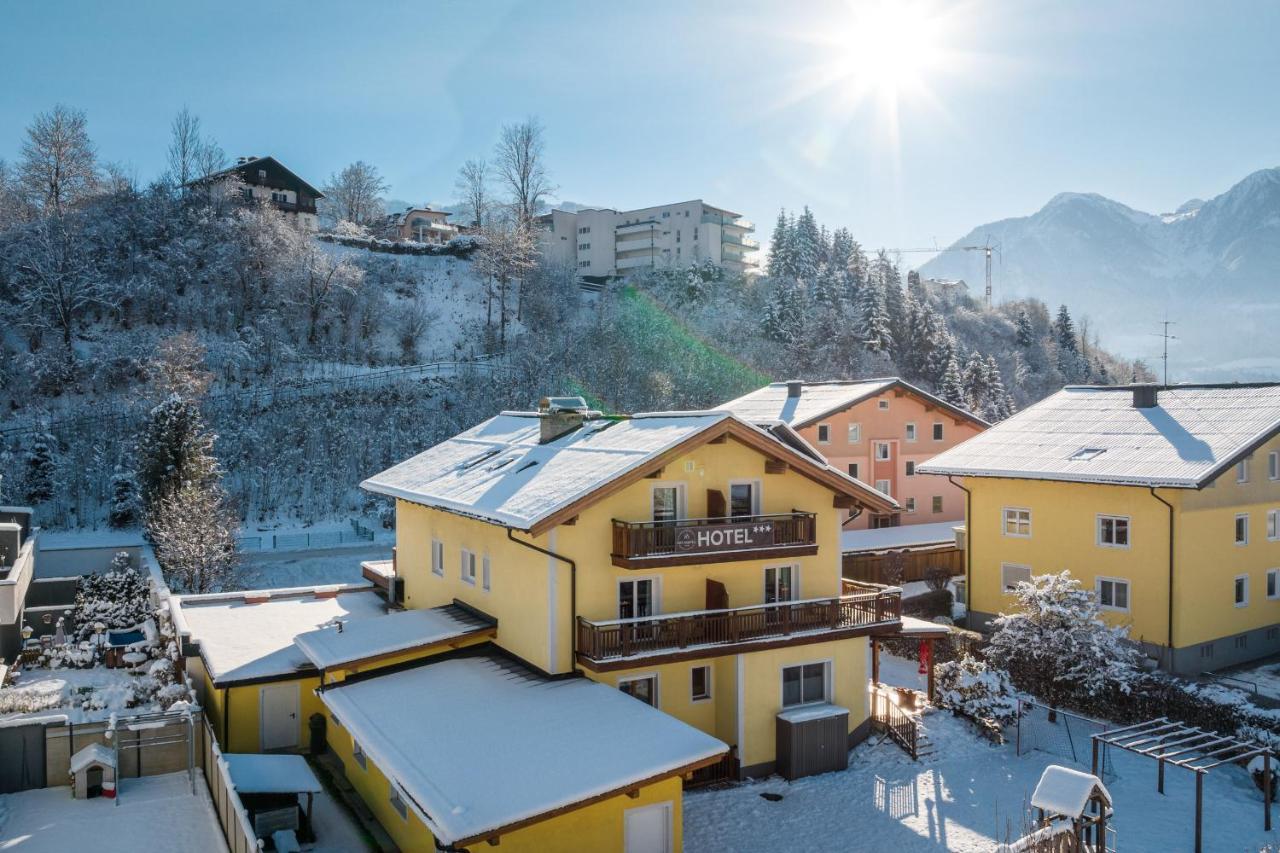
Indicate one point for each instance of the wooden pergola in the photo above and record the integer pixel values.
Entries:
(1194, 749)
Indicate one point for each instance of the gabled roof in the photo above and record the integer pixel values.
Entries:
(1066, 791)
(256, 163)
(498, 472)
(820, 399)
(1091, 434)
(480, 745)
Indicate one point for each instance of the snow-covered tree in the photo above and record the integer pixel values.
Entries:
(952, 386)
(194, 531)
(118, 598)
(1056, 645)
(782, 262)
(1024, 333)
(355, 194)
(977, 690)
(58, 167)
(974, 378)
(174, 450)
(41, 469)
(520, 163)
(807, 245)
(873, 325)
(124, 510)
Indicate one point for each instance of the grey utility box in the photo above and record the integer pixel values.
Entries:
(812, 739)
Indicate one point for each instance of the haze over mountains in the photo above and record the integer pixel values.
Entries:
(1213, 266)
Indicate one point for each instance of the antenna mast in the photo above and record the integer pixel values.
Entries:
(1165, 357)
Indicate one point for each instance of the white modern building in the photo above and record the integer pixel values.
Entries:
(602, 242)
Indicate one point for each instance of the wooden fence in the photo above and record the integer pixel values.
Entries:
(236, 826)
(880, 567)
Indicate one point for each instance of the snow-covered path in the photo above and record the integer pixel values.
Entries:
(961, 799)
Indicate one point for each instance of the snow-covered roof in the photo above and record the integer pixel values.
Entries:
(818, 399)
(498, 471)
(271, 774)
(250, 635)
(904, 536)
(395, 632)
(912, 626)
(816, 711)
(430, 729)
(1066, 791)
(94, 753)
(1097, 435)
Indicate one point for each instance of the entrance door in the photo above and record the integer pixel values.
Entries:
(279, 716)
(648, 829)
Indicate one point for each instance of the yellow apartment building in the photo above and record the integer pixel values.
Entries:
(1164, 500)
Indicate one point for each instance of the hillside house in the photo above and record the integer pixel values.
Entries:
(1164, 500)
(420, 225)
(266, 178)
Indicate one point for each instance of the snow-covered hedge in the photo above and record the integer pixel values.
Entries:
(461, 246)
(983, 693)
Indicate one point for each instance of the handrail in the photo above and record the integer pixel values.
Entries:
(712, 519)
(641, 539)
(901, 727)
(862, 596)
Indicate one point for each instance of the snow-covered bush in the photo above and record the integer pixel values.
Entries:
(1057, 646)
(124, 510)
(982, 692)
(118, 598)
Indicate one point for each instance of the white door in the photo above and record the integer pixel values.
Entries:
(279, 716)
(648, 829)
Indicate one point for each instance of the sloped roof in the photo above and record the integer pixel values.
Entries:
(431, 730)
(395, 632)
(499, 472)
(94, 753)
(819, 399)
(253, 162)
(1066, 791)
(1093, 434)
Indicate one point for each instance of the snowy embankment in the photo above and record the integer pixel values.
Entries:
(968, 796)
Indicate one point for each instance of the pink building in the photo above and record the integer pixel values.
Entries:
(879, 431)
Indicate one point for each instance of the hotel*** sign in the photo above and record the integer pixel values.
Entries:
(725, 537)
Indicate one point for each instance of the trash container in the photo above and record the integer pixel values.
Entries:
(318, 743)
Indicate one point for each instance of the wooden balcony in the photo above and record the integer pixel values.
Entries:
(620, 643)
(648, 544)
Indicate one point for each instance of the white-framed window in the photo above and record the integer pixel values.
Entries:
(1241, 590)
(855, 433)
(937, 430)
(884, 486)
(806, 683)
(1113, 593)
(667, 501)
(911, 505)
(744, 498)
(1242, 528)
(911, 432)
(1273, 583)
(642, 687)
(1242, 470)
(1012, 574)
(853, 470)
(1273, 465)
(468, 566)
(781, 583)
(882, 451)
(1273, 524)
(911, 468)
(700, 683)
(486, 576)
(1113, 531)
(358, 754)
(824, 433)
(584, 263)
(1017, 522)
(638, 597)
(937, 503)
(884, 405)
(397, 801)
(437, 557)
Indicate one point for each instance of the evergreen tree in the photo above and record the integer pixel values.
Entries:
(1064, 331)
(951, 388)
(124, 500)
(41, 469)
(118, 598)
(841, 251)
(781, 259)
(942, 353)
(174, 450)
(1024, 334)
(785, 315)
(885, 271)
(873, 320)
(997, 405)
(807, 241)
(975, 382)
(858, 269)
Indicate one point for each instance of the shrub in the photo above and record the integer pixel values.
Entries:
(979, 691)
(929, 605)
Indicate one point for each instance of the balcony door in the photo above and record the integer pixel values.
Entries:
(637, 598)
(668, 508)
(781, 583)
(744, 499)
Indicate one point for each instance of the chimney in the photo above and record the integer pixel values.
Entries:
(560, 416)
(1145, 396)
(794, 388)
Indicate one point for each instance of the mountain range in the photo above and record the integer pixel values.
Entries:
(1212, 267)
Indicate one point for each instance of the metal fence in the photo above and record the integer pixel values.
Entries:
(232, 817)
(1061, 733)
(302, 541)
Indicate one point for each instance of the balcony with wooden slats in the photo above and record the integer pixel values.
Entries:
(689, 541)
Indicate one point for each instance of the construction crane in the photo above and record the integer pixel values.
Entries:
(985, 249)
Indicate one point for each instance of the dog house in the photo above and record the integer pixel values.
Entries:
(93, 772)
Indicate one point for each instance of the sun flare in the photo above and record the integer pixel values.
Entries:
(888, 48)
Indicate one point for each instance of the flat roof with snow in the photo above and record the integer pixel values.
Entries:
(246, 636)
(1089, 434)
(403, 631)
(904, 536)
(252, 773)
(430, 729)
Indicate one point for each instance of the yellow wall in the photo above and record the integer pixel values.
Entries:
(595, 827)
(337, 674)
(243, 731)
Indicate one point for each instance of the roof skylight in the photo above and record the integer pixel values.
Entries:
(1087, 454)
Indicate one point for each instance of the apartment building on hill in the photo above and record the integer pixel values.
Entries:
(603, 242)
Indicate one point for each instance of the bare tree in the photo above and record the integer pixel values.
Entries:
(56, 283)
(12, 208)
(209, 159)
(59, 164)
(316, 280)
(355, 194)
(507, 254)
(184, 147)
(193, 529)
(473, 186)
(519, 163)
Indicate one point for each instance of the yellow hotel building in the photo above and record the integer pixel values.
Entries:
(1163, 500)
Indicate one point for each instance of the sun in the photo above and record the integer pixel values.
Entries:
(888, 50)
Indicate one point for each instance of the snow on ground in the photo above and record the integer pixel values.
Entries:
(336, 830)
(900, 672)
(154, 813)
(42, 692)
(1265, 676)
(276, 569)
(963, 798)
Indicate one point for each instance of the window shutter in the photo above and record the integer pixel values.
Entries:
(715, 504)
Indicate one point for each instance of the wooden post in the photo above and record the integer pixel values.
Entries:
(875, 661)
(1266, 790)
(1160, 775)
(1095, 749)
(1102, 826)
(1199, 807)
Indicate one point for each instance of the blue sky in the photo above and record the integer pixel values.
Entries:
(1150, 103)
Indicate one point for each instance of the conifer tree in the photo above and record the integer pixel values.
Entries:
(1024, 334)
(174, 450)
(781, 261)
(807, 242)
(951, 388)
(873, 320)
(41, 469)
(974, 378)
(1064, 331)
(124, 500)
(997, 405)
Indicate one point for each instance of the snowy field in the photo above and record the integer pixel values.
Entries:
(968, 796)
(155, 813)
(272, 569)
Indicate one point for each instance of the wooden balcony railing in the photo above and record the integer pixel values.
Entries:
(690, 633)
(697, 540)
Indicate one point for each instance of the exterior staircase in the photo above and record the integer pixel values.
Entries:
(899, 725)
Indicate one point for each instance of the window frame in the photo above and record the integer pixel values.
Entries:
(911, 432)
(397, 801)
(939, 434)
(883, 404)
(644, 676)
(1005, 587)
(1235, 587)
(910, 505)
(1241, 542)
(936, 505)
(795, 582)
(1273, 465)
(467, 560)
(1242, 471)
(682, 497)
(655, 595)
(828, 685)
(1128, 593)
(853, 434)
(1004, 522)
(885, 486)
(875, 452)
(824, 433)
(910, 468)
(358, 756)
(705, 696)
(486, 574)
(757, 495)
(1128, 531)
(1273, 525)
(437, 557)
(1272, 587)
(853, 470)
